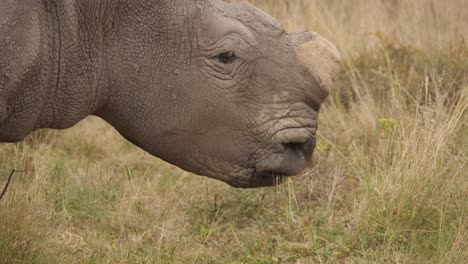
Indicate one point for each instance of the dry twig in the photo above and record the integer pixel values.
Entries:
(7, 184)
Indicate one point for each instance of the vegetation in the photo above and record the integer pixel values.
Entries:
(389, 182)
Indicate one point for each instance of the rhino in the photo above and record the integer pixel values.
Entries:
(218, 89)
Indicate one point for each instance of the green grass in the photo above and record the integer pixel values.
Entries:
(389, 182)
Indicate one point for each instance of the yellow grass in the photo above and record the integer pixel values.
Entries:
(352, 24)
(389, 182)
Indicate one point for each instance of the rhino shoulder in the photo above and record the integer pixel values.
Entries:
(20, 49)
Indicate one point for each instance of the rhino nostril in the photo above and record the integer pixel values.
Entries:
(300, 150)
(293, 146)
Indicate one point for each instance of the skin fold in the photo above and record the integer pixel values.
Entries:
(218, 89)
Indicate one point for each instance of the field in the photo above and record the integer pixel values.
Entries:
(389, 182)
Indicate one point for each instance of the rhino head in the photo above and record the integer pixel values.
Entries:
(224, 92)
(218, 89)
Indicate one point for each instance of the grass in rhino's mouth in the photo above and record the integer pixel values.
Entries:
(268, 178)
(279, 178)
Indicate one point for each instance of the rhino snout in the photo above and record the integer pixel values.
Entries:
(319, 63)
(292, 161)
(319, 56)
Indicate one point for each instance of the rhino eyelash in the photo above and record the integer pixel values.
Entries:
(226, 57)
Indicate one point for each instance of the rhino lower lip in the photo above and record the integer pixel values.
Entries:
(266, 179)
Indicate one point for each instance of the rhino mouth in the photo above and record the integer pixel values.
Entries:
(294, 160)
(267, 179)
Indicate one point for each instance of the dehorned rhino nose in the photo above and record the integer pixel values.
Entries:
(319, 56)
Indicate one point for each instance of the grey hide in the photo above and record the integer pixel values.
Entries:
(218, 89)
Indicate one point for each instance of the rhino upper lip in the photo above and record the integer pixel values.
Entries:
(276, 175)
(264, 178)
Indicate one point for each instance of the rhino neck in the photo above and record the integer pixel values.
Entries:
(82, 57)
(107, 53)
(149, 49)
(78, 35)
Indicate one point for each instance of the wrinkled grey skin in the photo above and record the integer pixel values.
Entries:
(217, 89)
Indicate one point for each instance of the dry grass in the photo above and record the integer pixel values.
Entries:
(352, 24)
(389, 185)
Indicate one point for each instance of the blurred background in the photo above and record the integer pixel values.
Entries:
(389, 181)
(354, 24)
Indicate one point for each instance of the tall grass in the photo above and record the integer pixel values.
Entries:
(353, 24)
(389, 182)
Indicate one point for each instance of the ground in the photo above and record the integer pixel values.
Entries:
(389, 181)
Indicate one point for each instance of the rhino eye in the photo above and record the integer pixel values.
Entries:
(226, 57)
